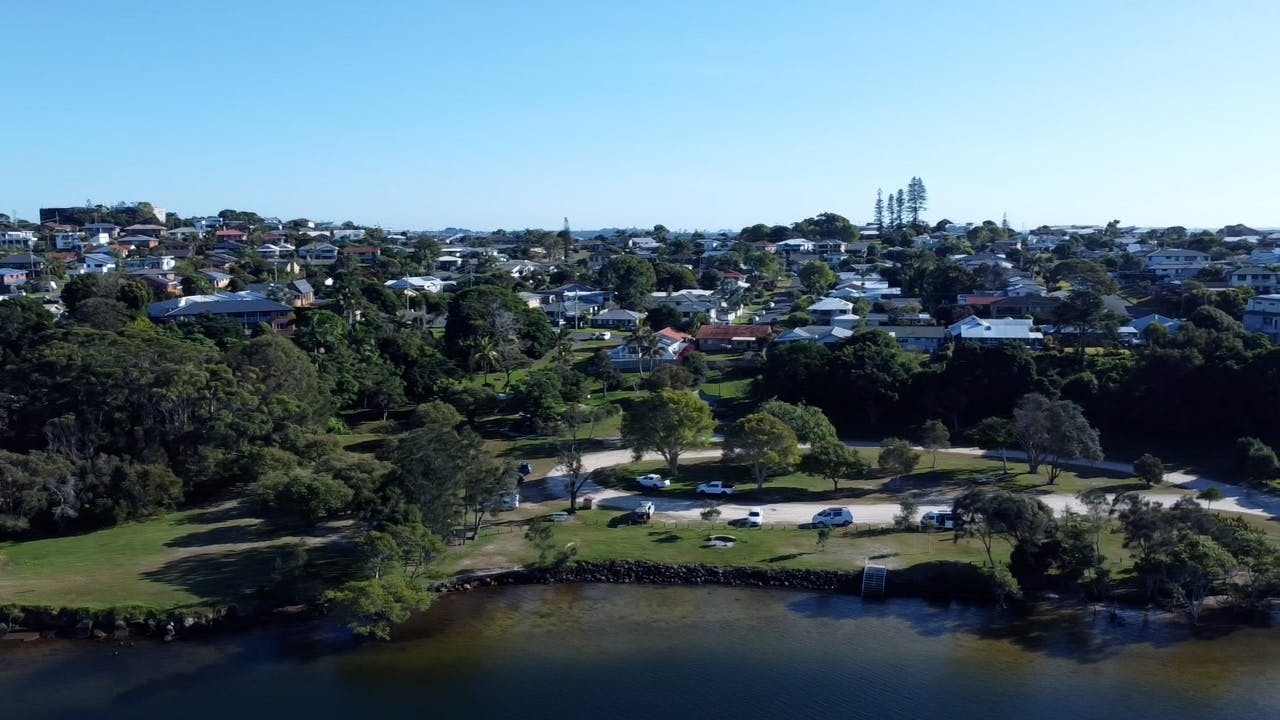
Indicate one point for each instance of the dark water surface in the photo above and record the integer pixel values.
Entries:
(650, 652)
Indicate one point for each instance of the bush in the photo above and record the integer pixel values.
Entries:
(301, 495)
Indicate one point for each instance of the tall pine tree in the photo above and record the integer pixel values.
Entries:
(917, 199)
(879, 213)
(899, 208)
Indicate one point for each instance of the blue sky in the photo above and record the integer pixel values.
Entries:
(696, 114)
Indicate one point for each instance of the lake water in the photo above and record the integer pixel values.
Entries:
(657, 652)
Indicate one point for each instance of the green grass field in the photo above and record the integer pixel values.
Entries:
(196, 558)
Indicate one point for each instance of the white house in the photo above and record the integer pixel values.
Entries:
(64, 241)
(996, 331)
(93, 263)
(17, 239)
(155, 262)
(421, 283)
(828, 308)
(318, 251)
(667, 348)
(797, 245)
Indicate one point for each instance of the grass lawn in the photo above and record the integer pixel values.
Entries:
(195, 558)
(591, 533)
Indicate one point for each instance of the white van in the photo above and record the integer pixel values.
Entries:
(940, 519)
(833, 517)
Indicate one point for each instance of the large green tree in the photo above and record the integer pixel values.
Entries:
(668, 423)
(762, 442)
(630, 278)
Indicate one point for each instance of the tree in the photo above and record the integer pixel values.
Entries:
(934, 437)
(662, 316)
(871, 370)
(877, 214)
(668, 423)
(630, 278)
(1210, 495)
(908, 506)
(899, 208)
(995, 433)
(897, 457)
(1149, 469)
(1196, 564)
(578, 422)
(834, 461)
(604, 371)
(808, 422)
(1256, 460)
(372, 608)
(302, 495)
(1053, 431)
(817, 277)
(763, 442)
(917, 199)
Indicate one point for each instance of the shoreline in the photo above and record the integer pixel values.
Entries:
(942, 587)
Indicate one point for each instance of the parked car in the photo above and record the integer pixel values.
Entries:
(557, 517)
(603, 335)
(940, 519)
(643, 512)
(654, 480)
(833, 517)
(755, 517)
(715, 487)
(510, 501)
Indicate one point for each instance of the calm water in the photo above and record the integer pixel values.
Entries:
(645, 652)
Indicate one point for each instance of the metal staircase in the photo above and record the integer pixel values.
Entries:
(874, 578)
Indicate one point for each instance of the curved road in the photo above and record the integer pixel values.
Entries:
(1177, 485)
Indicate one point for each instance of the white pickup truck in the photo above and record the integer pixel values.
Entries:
(643, 512)
(715, 487)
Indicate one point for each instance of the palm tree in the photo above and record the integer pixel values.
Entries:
(486, 351)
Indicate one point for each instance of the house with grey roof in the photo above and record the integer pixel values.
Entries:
(250, 309)
(1261, 280)
(821, 334)
(618, 319)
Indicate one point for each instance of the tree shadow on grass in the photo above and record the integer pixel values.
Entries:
(786, 557)
(259, 576)
(251, 532)
(226, 512)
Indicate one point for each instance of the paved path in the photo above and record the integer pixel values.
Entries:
(1177, 485)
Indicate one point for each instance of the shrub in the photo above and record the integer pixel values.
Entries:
(301, 495)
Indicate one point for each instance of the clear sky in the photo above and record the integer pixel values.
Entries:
(691, 113)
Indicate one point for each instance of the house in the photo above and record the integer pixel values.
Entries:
(68, 241)
(571, 312)
(93, 263)
(297, 293)
(151, 231)
(219, 280)
(1141, 324)
(827, 308)
(95, 229)
(156, 262)
(1175, 255)
(996, 331)
(449, 263)
(233, 235)
(365, 254)
(421, 283)
(318, 252)
(204, 225)
(821, 334)
(24, 261)
(163, 283)
(1025, 306)
(1262, 315)
(248, 308)
(792, 247)
(1259, 279)
(17, 239)
(275, 251)
(730, 338)
(11, 279)
(618, 319)
(135, 242)
(1177, 270)
(917, 338)
(668, 346)
(183, 234)
(230, 246)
